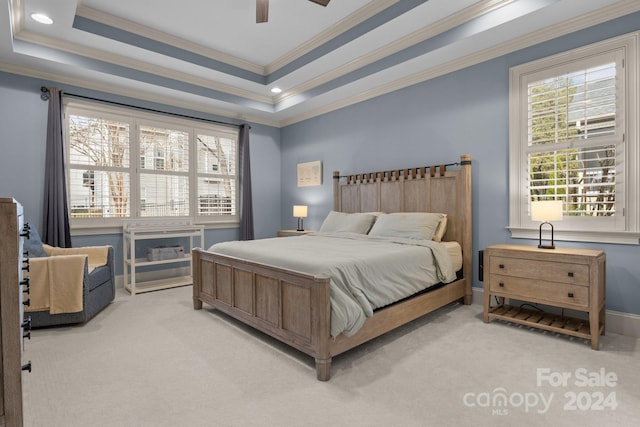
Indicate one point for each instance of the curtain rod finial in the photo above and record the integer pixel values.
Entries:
(45, 93)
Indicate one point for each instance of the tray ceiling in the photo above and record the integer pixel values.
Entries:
(212, 56)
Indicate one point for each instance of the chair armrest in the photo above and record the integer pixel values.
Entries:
(98, 255)
(58, 260)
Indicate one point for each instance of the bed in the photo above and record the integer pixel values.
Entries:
(294, 306)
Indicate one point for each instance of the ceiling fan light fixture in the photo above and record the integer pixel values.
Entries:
(41, 18)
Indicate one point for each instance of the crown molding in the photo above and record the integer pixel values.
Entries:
(132, 93)
(348, 22)
(340, 27)
(161, 36)
(425, 33)
(599, 16)
(137, 65)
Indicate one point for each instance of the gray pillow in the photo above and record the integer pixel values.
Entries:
(34, 244)
(347, 222)
(421, 226)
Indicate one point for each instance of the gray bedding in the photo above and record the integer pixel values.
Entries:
(365, 272)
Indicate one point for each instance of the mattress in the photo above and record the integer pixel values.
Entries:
(365, 272)
(455, 252)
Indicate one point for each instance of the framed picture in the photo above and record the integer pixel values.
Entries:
(310, 174)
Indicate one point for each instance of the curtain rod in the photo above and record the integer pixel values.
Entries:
(45, 96)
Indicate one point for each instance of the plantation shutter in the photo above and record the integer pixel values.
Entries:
(574, 134)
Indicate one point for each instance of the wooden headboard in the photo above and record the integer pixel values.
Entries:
(441, 188)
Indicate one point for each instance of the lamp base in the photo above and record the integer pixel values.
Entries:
(300, 225)
(540, 245)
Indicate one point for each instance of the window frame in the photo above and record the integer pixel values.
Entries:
(623, 227)
(135, 119)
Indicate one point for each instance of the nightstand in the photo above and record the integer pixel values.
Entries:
(290, 233)
(566, 278)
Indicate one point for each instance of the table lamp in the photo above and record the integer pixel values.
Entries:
(546, 211)
(300, 212)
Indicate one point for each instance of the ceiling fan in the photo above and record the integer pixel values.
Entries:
(262, 9)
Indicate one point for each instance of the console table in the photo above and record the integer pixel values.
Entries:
(137, 232)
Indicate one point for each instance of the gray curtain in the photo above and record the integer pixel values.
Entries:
(246, 204)
(56, 230)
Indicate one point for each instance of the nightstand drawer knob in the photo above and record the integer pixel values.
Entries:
(500, 265)
(570, 274)
(501, 284)
(570, 294)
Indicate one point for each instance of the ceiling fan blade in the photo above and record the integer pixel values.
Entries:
(262, 11)
(321, 2)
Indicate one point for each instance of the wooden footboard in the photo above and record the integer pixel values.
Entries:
(295, 307)
(290, 306)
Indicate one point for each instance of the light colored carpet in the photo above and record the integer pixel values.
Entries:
(151, 360)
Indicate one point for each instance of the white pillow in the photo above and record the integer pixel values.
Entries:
(409, 225)
(347, 222)
(441, 229)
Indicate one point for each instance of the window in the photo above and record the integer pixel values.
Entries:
(574, 138)
(216, 174)
(124, 164)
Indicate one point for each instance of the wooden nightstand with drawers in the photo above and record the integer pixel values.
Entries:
(571, 279)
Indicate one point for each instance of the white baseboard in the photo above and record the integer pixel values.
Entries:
(617, 322)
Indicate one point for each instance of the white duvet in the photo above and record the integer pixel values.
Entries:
(365, 272)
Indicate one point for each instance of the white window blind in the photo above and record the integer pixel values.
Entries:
(217, 183)
(572, 138)
(164, 183)
(99, 157)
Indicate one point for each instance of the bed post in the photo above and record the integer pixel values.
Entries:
(196, 263)
(467, 247)
(323, 313)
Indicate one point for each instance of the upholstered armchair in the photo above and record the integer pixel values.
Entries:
(68, 285)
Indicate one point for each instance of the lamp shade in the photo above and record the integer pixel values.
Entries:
(300, 211)
(546, 210)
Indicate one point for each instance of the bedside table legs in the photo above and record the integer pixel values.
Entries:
(596, 327)
(487, 305)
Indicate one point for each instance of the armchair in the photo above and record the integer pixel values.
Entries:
(68, 285)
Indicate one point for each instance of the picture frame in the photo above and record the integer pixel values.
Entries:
(309, 174)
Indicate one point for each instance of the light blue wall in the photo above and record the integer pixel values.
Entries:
(432, 123)
(429, 123)
(23, 121)
(23, 129)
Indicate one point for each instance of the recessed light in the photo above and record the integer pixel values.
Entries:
(276, 90)
(41, 18)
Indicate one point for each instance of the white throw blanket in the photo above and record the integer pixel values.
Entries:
(366, 272)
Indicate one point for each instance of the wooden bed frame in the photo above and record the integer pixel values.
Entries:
(294, 308)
